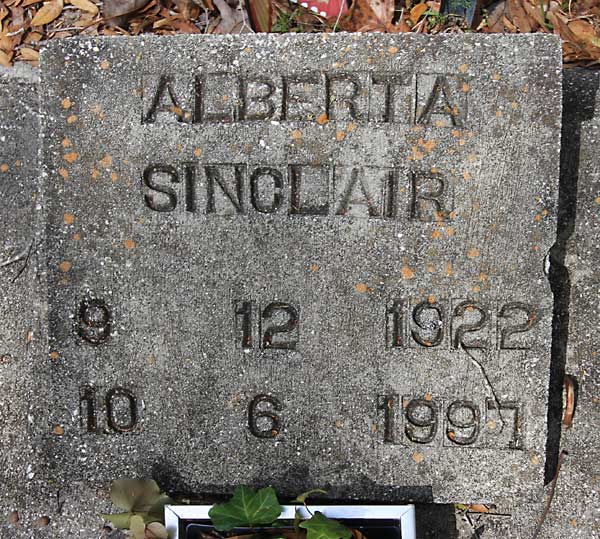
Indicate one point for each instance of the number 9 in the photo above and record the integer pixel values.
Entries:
(94, 321)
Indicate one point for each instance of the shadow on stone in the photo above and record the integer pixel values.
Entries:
(579, 91)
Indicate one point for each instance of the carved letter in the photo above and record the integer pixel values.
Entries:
(165, 90)
(213, 177)
(255, 189)
(342, 92)
(167, 191)
(429, 201)
(246, 111)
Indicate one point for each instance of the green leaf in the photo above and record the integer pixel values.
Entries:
(321, 527)
(135, 495)
(138, 527)
(246, 508)
(156, 513)
(119, 520)
(304, 496)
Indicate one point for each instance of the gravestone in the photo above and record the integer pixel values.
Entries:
(20, 290)
(304, 261)
(575, 512)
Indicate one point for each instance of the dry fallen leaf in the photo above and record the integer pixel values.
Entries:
(48, 12)
(85, 5)
(5, 59)
(116, 11)
(233, 21)
(417, 12)
(30, 55)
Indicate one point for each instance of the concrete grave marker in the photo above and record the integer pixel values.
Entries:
(302, 261)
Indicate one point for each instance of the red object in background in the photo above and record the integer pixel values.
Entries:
(325, 8)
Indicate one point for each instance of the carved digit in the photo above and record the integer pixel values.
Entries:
(245, 311)
(463, 329)
(455, 422)
(254, 414)
(516, 442)
(113, 423)
(87, 408)
(433, 327)
(387, 403)
(94, 321)
(395, 324)
(532, 318)
(288, 327)
(421, 414)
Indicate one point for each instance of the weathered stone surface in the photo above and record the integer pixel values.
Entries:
(575, 511)
(454, 202)
(20, 292)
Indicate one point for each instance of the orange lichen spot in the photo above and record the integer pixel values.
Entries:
(476, 288)
(430, 268)
(473, 252)
(58, 430)
(573, 522)
(526, 89)
(68, 218)
(114, 176)
(455, 133)
(441, 123)
(72, 119)
(428, 397)
(361, 288)
(471, 158)
(429, 145)
(449, 230)
(71, 157)
(514, 105)
(407, 273)
(4, 167)
(463, 68)
(340, 135)
(76, 236)
(418, 457)
(483, 277)
(66, 143)
(18, 163)
(296, 134)
(94, 174)
(431, 299)
(54, 355)
(66, 103)
(498, 113)
(534, 458)
(452, 215)
(322, 119)
(339, 423)
(417, 128)
(495, 76)
(351, 126)
(597, 200)
(314, 268)
(449, 269)
(129, 244)
(436, 234)
(392, 50)
(536, 247)
(545, 212)
(467, 175)
(106, 161)
(197, 152)
(104, 64)
(65, 266)
(491, 424)
(417, 154)
(537, 218)
(64, 173)
(465, 87)
(461, 142)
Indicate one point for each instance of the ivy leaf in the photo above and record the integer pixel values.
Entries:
(137, 495)
(321, 527)
(137, 527)
(246, 508)
(119, 520)
(301, 498)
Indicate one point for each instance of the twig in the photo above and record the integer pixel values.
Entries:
(25, 263)
(538, 528)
